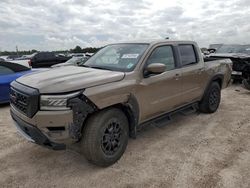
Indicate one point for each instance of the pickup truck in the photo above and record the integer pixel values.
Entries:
(46, 59)
(104, 101)
(240, 57)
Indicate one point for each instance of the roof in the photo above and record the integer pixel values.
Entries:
(153, 41)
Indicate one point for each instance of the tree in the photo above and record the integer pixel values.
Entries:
(77, 49)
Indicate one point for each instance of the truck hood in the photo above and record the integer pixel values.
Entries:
(70, 78)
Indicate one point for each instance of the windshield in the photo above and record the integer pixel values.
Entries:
(117, 57)
(75, 60)
(234, 49)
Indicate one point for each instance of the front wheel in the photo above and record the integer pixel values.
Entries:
(105, 137)
(211, 99)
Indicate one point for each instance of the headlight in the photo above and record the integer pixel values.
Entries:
(56, 102)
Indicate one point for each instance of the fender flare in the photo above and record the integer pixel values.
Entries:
(132, 110)
(216, 77)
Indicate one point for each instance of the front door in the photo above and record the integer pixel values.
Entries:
(158, 94)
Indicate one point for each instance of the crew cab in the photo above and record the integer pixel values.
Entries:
(103, 102)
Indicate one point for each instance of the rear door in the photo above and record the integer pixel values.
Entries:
(158, 94)
(192, 73)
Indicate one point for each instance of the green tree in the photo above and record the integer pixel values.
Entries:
(77, 49)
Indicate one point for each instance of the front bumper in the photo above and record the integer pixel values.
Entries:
(33, 134)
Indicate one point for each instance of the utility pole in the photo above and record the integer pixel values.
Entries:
(16, 49)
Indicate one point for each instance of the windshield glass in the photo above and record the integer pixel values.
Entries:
(117, 57)
(76, 60)
(234, 49)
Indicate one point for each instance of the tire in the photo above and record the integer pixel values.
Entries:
(246, 84)
(105, 137)
(211, 99)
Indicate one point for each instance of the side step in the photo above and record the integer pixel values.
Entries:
(189, 110)
(164, 119)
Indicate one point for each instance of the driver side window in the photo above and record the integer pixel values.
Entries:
(164, 55)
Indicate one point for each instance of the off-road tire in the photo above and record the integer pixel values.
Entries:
(101, 134)
(246, 84)
(211, 99)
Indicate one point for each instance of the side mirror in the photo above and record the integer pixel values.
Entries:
(155, 68)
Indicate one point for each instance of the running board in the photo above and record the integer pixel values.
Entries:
(164, 119)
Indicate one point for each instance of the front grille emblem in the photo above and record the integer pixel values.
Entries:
(13, 97)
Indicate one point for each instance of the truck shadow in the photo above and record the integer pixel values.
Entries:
(4, 105)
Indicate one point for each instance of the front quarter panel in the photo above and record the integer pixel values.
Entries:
(110, 94)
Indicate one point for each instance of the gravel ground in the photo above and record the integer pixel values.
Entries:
(198, 150)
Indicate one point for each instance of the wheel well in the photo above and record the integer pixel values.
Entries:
(132, 118)
(218, 80)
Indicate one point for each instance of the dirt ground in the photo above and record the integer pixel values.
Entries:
(198, 150)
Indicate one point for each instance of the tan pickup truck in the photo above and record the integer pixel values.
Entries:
(104, 101)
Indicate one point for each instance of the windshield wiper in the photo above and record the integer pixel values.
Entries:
(84, 65)
(95, 67)
(102, 68)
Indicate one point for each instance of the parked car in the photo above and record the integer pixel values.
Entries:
(246, 76)
(24, 60)
(12, 57)
(74, 61)
(78, 55)
(103, 101)
(46, 59)
(9, 72)
(240, 56)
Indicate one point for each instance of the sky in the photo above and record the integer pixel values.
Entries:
(63, 24)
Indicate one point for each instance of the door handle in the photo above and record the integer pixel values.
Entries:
(177, 76)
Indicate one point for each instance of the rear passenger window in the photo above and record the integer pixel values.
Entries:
(164, 55)
(187, 53)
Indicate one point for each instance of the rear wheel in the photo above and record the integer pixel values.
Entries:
(246, 84)
(211, 99)
(105, 137)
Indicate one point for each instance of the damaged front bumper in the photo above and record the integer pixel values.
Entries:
(33, 134)
(54, 129)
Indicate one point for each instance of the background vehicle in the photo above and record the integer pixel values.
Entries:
(12, 57)
(46, 59)
(8, 73)
(74, 61)
(103, 101)
(23, 60)
(246, 76)
(240, 56)
(77, 55)
(215, 46)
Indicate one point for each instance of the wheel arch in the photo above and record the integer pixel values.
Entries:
(216, 78)
(131, 110)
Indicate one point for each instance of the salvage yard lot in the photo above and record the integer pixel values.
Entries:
(198, 150)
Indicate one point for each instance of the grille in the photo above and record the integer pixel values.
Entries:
(24, 99)
(19, 100)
